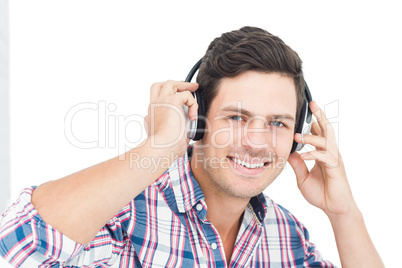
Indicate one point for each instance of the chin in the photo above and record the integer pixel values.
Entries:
(243, 186)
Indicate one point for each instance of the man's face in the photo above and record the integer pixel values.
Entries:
(249, 134)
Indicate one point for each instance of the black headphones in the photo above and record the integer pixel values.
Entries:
(196, 128)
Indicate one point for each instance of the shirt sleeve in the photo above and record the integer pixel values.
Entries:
(28, 241)
(313, 257)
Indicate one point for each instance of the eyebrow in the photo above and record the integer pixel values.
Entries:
(233, 108)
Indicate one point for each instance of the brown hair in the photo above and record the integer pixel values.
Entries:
(247, 49)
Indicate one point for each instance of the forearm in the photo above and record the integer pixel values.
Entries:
(353, 241)
(80, 204)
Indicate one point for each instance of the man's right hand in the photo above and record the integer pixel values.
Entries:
(165, 123)
(80, 204)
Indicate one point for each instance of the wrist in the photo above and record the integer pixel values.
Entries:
(148, 155)
(347, 216)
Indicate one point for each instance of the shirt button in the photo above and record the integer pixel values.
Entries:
(214, 246)
(198, 207)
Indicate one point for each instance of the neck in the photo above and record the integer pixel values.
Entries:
(225, 212)
(225, 215)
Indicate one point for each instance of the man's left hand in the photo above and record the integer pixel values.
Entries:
(325, 185)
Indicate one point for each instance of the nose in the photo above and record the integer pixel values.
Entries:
(257, 134)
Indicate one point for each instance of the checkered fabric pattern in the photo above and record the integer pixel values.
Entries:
(165, 226)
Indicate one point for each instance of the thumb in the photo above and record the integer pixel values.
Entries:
(146, 124)
(299, 167)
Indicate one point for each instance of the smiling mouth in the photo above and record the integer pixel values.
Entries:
(254, 165)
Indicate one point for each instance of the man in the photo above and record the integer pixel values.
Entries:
(207, 209)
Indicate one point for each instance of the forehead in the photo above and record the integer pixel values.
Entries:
(261, 93)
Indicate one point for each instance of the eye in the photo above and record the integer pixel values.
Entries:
(277, 124)
(236, 118)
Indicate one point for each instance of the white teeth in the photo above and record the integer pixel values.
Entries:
(248, 165)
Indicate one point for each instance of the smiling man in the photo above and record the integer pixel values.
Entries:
(258, 110)
(207, 209)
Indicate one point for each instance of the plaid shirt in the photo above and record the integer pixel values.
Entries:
(165, 226)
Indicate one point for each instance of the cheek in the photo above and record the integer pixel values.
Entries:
(221, 134)
(282, 142)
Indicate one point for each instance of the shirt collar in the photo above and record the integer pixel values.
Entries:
(188, 193)
(186, 189)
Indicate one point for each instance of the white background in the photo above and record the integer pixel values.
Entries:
(64, 53)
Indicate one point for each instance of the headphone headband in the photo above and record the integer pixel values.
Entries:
(193, 71)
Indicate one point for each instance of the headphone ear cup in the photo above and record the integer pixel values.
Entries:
(201, 116)
(196, 128)
(301, 121)
(305, 120)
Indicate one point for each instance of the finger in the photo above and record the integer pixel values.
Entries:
(193, 111)
(171, 87)
(188, 99)
(325, 126)
(315, 129)
(299, 167)
(319, 114)
(314, 140)
(321, 156)
(146, 124)
(155, 90)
